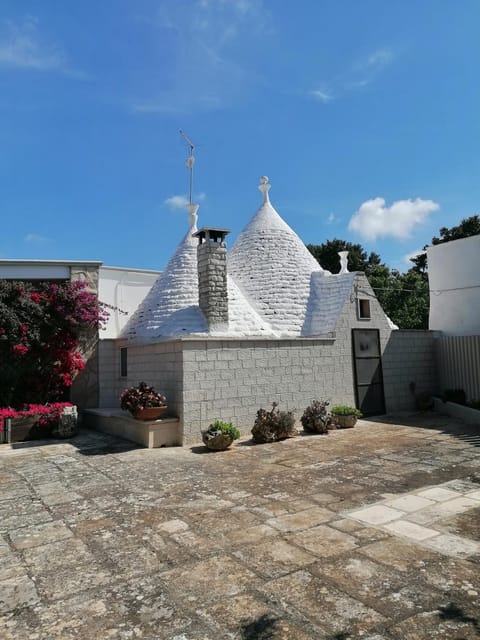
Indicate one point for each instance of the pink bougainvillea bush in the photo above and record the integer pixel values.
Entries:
(40, 327)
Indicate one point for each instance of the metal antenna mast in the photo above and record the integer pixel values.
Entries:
(190, 161)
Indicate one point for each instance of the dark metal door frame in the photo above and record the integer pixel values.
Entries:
(377, 384)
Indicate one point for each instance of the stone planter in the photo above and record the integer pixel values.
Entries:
(345, 422)
(150, 413)
(67, 425)
(216, 440)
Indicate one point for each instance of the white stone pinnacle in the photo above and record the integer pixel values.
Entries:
(264, 187)
(192, 217)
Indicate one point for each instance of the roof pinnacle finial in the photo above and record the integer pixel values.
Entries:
(264, 187)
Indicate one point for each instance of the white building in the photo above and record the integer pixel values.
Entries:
(454, 281)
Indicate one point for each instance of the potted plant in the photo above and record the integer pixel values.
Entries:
(345, 416)
(273, 425)
(220, 435)
(143, 402)
(316, 418)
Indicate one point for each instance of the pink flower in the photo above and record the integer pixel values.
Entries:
(19, 349)
(67, 379)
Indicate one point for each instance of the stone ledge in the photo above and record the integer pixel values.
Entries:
(454, 410)
(165, 432)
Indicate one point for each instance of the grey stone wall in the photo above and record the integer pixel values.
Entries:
(84, 391)
(160, 365)
(212, 282)
(408, 356)
(229, 379)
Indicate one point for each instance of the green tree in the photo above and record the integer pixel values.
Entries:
(404, 296)
(467, 227)
(326, 255)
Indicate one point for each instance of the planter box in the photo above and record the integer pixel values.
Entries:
(467, 414)
(26, 429)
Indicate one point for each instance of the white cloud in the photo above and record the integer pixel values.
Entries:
(210, 46)
(23, 47)
(375, 220)
(379, 58)
(322, 95)
(359, 75)
(176, 202)
(180, 201)
(35, 238)
(366, 69)
(331, 218)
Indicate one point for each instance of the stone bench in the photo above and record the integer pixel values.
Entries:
(165, 432)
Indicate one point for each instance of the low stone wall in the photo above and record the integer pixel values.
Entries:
(160, 365)
(208, 379)
(467, 414)
(408, 356)
(229, 380)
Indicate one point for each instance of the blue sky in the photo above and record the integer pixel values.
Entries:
(364, 114)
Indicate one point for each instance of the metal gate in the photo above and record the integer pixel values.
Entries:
(367, 369)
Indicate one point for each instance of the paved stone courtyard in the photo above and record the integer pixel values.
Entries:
(371, 532)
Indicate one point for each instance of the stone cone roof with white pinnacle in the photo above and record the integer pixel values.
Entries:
(273, 267)
(171, 307)
(275, 287)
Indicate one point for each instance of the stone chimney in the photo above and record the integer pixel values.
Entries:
(212, 275)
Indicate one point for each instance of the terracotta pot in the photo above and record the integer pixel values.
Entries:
(150, 413)
(345, 422)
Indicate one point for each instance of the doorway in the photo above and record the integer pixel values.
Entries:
(367, 369)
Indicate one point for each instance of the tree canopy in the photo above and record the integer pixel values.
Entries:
(403, 296)
(467, 227)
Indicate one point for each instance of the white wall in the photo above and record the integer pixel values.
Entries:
(454, 277)
(123, 289)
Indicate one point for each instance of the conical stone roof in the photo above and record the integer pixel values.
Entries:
(273, 268)
(171, 306)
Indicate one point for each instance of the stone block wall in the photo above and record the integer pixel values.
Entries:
(230, 379)
(84, 391)
(409, 356)
(158, 364)
(212, 282)
(206, 379)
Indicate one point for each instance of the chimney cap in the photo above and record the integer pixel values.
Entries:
(213, 233)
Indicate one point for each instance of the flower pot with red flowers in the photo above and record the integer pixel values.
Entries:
(143, 402)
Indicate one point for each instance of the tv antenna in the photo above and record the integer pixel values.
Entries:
(190, 161)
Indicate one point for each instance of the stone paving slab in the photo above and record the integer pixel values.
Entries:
(365, 533)
(413, 511)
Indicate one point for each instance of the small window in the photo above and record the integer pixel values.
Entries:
(364, 309)
(123, 362)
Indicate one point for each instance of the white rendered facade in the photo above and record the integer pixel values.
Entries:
(454, 280)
